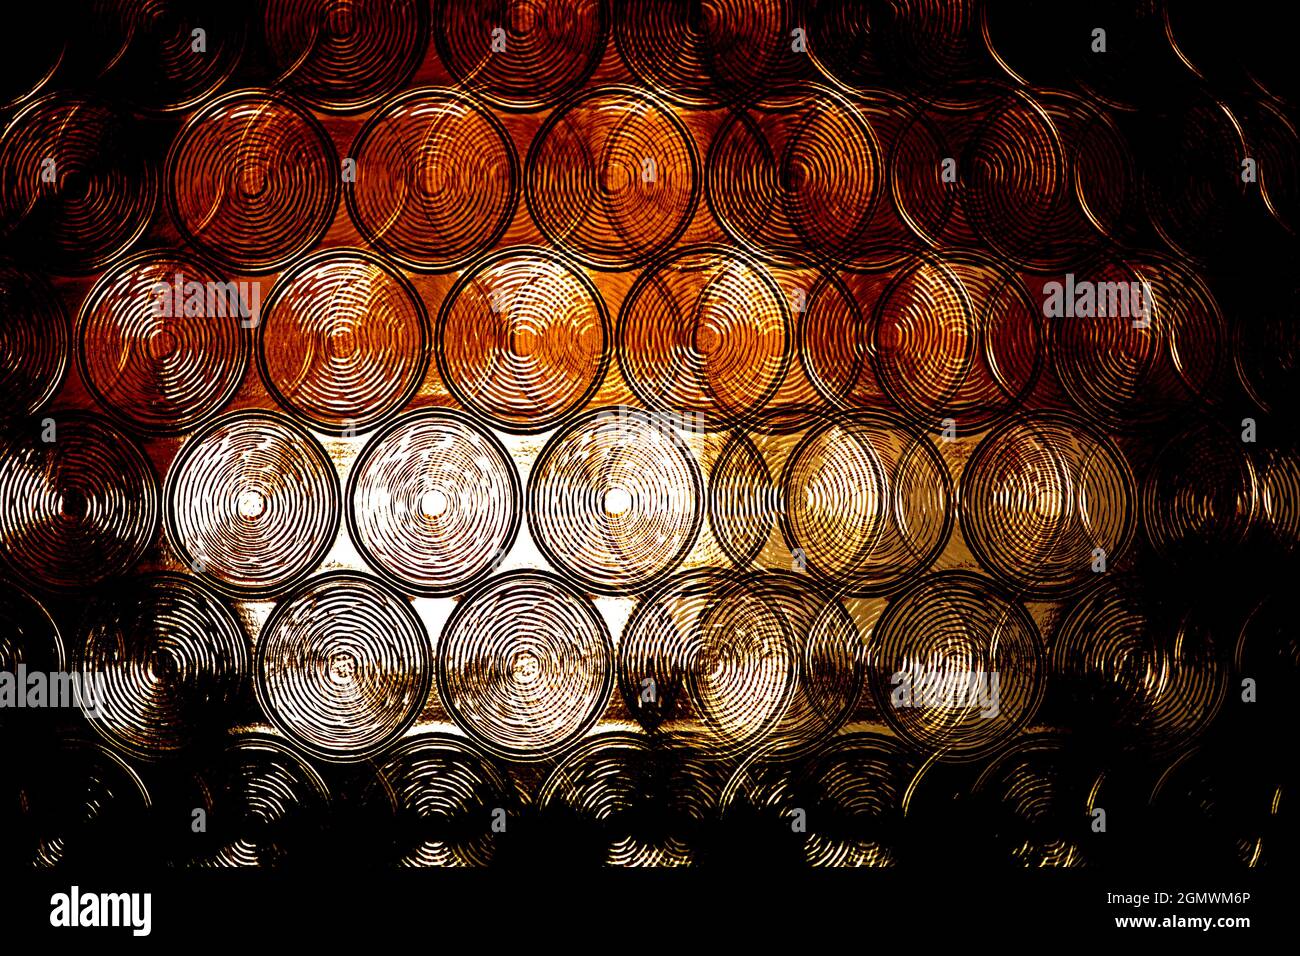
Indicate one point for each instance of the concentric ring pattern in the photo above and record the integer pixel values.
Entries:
(253, 180)
(34, 342)
(744, 433)
(614, 500)
(343, 666)
(523, 338)
(81, 502)
(344, 340)
(76, 185)
(445, 179)
(613, 178)
(705, 332)
(434, 501)
(155, 353)
(346, 57)
(525, 665)
(165, 658)
(253, 502)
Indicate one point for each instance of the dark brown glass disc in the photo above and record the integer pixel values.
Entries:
(613, 177)
(166, 660)
(77, 185)
(346, 57)
(253, 180)
(35, 340)
(521, 56)
(85, 501)
(437, 179)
